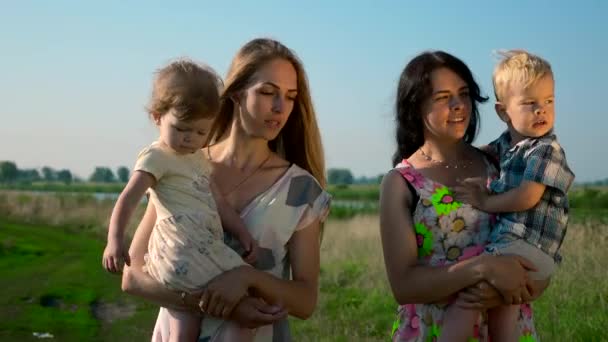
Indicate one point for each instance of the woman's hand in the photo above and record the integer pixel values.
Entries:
(253, 313)
(480, 296)
(509, 275)
(224, 292)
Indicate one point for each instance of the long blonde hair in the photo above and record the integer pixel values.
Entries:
(299, 141)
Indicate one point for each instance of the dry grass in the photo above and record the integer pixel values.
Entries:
(79, 212)
(356, 302)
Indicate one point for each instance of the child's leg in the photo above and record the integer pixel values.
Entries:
(231, 331)
(503, 319)
(183, 326)
(502, 323)
(458, 324)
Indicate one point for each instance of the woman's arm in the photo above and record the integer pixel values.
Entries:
(412, 283)
(298, 296)
(250, 312)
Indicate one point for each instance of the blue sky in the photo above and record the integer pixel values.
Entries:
(74, 76)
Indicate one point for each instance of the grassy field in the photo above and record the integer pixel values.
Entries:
(356, 304)
(53, 281)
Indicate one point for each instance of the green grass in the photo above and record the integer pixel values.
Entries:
(50, 281)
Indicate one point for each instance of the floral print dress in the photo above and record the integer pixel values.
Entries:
(447, 231)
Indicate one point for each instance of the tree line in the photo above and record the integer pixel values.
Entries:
(342, 176)
(10, 173)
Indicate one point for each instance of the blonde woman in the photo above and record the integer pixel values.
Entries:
(267, 162)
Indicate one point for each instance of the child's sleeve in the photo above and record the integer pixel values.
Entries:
(546, 164)
(153, 161)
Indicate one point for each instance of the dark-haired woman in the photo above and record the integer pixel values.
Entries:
(431, 242)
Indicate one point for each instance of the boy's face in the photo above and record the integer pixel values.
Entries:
(529, 112)
(183, 136)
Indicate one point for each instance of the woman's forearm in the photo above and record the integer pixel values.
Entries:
(429, 284)
(298, 297)
(137, 283)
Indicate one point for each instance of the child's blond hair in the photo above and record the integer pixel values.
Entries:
(188, 89)
(518, 67)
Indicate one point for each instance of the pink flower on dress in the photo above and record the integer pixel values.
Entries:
(413, 177)
(471, 251)
(412, 328)
(526, 311)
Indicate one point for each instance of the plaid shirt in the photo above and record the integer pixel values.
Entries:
(540, 160)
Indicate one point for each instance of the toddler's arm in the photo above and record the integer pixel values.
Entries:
(522, 198)
(232, 222)
(115, 252)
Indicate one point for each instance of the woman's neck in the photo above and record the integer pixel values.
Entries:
(449, 152)
(240, 150)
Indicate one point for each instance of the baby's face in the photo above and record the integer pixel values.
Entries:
(184, 136)
(531, 111)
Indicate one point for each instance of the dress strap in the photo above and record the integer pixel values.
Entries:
(413, 179)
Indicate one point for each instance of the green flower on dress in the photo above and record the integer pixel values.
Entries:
(527, 338)
(473, 339)
(396, 325)
(434, 333)
(444, 202)
(424, 239)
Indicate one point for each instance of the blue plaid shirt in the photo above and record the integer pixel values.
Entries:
(541, 160)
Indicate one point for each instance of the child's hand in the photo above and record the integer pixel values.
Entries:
(251, 248)
(115, 256)
(224, 292)
(472, 191)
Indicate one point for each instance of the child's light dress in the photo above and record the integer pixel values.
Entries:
(186, 248)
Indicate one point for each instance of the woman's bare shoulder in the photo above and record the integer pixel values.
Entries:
(277, 162)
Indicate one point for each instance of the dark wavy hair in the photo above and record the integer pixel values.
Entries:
(415, 87)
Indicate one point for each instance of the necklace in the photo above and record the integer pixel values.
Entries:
(462, 164)
(242, 181)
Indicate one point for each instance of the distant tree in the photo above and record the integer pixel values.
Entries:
(339, 176)
(123, 174)
(102, 175)
(8, 171)
(64, 176)
(29, 175)
(49, 174)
